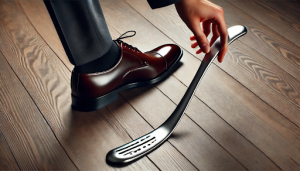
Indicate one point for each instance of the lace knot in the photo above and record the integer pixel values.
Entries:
(123, 36)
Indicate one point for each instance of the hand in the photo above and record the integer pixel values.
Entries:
(193, 12)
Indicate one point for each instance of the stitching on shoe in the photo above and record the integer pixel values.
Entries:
(160, 56)
(103, 72)
(134, 56)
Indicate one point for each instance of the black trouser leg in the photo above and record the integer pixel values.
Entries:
(82, 29)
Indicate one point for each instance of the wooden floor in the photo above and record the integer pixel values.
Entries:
(245, 114)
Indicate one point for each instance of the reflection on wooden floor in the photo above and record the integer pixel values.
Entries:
(245, 114)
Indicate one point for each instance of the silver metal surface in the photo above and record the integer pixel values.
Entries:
(145, 144)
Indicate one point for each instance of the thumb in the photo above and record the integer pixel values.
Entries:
(201, 38)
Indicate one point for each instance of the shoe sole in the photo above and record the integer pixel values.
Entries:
(87, 105)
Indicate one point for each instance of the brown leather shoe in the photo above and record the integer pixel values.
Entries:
(134, 69)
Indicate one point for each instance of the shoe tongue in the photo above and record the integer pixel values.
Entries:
(117, 43)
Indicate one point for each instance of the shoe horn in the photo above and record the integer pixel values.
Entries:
(147, 143)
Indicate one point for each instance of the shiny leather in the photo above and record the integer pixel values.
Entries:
(133, 66)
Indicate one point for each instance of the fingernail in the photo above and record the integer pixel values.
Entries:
(205, 48)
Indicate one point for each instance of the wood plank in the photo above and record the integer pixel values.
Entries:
(234, 88)
(169, 154)
(267, 15)
(110, 133)
(7, 161)
(265, 79)
(32, 142)
(147, 109)
(263, 126)
(273, 46)
(156, 153)
(193, 142)
(244, 111)
(86, 137)
(289, 8)
(128, 119)
(140, 26)
(261, 76)
(189, 64)
(31, 9)
(229, 138)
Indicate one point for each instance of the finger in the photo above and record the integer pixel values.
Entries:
(192, 38)
(194, 44)
(200, 37)
(222, 54)
(222, 29)
(206, 27)
(198, 51)
(216, 34)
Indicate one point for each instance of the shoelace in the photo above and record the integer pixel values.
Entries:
(126, 44)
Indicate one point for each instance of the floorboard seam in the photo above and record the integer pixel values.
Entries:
(144, 120)
(238, 132)
(223, 71)
(236, 129)
(167, 140)
(160, 90)
(243, 86)
(268, 60)
(1, 131)
(206, 131)
(149, 123)
(217, 66)
(270, 29)
(42, 37)
(35, 102)
(295, 161)
(40, 112)
(126, 133)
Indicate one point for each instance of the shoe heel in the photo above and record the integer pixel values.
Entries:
(87, 105)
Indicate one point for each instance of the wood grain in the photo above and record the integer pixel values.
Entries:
(31, 9)
(220, 130)
(270, 44)
(273, 46)
(228, 95)
(284, 96)
(86, 137)
(183, 165)
(263, 126)
(6, 157)
(194, 143)
(74, 138)
(264, 78)
(153, 39)
(33, 144)
(237, 105)
(279, 22)
(244, 104)
(288, 8)
(128, 119)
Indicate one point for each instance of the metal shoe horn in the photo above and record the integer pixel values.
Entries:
(147, 143)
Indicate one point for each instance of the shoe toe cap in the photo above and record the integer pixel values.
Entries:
(170, 52)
